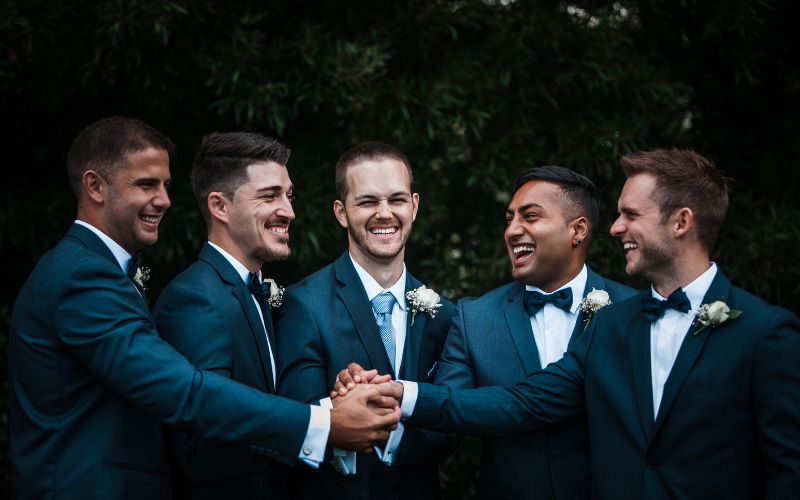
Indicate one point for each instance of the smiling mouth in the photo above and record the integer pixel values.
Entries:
(629, 246)
(281, 231)
(151, 220)
(522, 252)
(383, 232)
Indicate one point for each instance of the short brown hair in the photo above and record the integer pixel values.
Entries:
(104, 147)
(367, 151)
(685, 178)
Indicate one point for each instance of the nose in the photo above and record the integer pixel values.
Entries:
(513, 230)
(383, 210)
(161, 200)
(286, 210)
(618, 227)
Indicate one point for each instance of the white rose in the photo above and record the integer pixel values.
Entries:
(273, 287)
(717, 312)
(427, 297)
(598, 297)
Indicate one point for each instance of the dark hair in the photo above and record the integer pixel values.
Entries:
(685, 179)
(367, 151)
(578, 193)
(221, 161)
(104, 147)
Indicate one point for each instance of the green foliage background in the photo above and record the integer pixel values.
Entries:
(474, 93)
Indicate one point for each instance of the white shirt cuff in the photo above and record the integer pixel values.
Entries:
(319, 426)
(410, 391)
(388, 454)
(343, 461)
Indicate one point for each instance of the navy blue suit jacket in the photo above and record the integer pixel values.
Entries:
(491, 343)
(728, 424)
(90, 379)
(325, 323)
(208, 314)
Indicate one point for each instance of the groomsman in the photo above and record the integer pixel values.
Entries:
(89, 377)
(523, 326)
(358, 309)
(690, 388)
(217, 312)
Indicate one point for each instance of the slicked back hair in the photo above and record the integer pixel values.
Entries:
(221, 161)
(367, 151)
(578, 193)
(685, 178)
(104, 147)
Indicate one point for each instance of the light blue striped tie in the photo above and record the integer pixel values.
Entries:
(382, 306)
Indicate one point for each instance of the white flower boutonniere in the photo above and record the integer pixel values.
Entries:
(423, 299)
(713, 314)
(593, 302)
(275, 293)
(141, 277)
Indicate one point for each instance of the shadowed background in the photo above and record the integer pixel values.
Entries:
(473, 92)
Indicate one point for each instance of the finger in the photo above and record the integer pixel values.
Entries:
(345, 376)
(379, 401)
(381, 379)
(366, 376)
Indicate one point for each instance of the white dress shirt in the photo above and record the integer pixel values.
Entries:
(313, 450)
(552, 326)
(667, 333)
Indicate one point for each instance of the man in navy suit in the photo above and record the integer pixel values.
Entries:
(523, 326)
(690, 388)
(218, 314)
(357, 309)
(90, 379)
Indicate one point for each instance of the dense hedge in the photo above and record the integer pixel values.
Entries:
(473, 92)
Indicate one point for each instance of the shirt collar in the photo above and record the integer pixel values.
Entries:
(577, 284)
(374, 289)
(696, 290)
(243, 271)
(122, 255)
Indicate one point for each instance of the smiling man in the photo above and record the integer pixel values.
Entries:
(356, 309)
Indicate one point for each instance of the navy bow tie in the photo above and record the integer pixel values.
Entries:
(536, 300)
(653, 308)
(134, 264)
(258, 288)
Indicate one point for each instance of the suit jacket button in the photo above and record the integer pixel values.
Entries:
(307, 451)
(651, 463)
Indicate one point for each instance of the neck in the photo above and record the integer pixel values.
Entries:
(569, 273)
(385, 272)
(224, 242)
(687, 268)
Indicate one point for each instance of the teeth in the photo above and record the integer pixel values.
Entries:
(383, 231)
(149, 218)
(278, 229)
(525, 248)
(629, 246)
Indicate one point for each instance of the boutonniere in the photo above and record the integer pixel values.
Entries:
(714, 314)
(275, 293)
(423, 299)
(593, 302)
(141, 276)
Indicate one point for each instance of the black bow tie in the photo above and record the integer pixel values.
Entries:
(653, 308)
(134, 264)
(258, 288)
(536, 300)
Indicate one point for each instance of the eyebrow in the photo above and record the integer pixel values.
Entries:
(272, 189)
(524, 207)
(373, 197)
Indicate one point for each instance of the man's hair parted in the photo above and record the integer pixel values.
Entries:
(685, 178)
(367, 151)
(221, 161)
(104, 146)
(578, 193)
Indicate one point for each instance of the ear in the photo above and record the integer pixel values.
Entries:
(94, 186)
(414, 205)
(218, 206)
(339, 212)
(682, 222)
(579, 231)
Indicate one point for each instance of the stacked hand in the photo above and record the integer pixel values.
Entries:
(365, 414)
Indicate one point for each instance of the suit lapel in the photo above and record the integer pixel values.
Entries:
(411, 367)
(690, 350)
(239, 290)
(519, 325)
(95, 244)
(593, 281)
(354, 297)
(639, 353)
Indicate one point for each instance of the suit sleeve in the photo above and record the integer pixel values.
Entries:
(545, 398)
(193, 321)
(454, 369)
(419, 445)
(301, 354)
(101, 319)
(776, 389)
